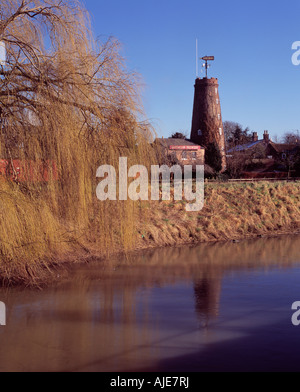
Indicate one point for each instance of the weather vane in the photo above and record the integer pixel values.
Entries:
(206, 65)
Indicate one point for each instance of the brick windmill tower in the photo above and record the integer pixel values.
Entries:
(207, 125)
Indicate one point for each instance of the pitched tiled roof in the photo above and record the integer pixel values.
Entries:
(283, 147)
(243, 147)
(278, 147)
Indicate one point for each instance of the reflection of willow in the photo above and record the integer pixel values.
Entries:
(117, 305)
(207, 292)
(191, 261)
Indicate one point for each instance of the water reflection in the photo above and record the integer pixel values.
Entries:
(207, 297)
(142, 311)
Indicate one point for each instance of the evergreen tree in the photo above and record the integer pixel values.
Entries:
(213, 157)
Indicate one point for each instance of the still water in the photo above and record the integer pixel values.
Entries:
(211, 307)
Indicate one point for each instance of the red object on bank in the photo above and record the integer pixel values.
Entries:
(27, 170)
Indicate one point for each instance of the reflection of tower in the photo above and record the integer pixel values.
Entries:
(207, 296)
(207, 125)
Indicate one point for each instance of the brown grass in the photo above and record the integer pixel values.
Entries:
(231, 211)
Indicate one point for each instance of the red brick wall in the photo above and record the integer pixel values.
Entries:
(200, 156)
(207, 116)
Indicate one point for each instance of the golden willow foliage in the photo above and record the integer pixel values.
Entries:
(68, 99)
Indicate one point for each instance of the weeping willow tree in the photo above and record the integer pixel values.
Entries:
(69, 99)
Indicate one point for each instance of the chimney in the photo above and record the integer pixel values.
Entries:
(255, 137)
(266, 137)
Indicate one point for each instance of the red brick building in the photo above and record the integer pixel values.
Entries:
(180, 151)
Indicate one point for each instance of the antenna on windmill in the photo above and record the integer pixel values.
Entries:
(206, 65)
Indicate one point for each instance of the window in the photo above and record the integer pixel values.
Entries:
(216, 90)
(194, 155)
(184, 156)
(217, 101)
(219, 116)
(283, 155)
(220, 131)
(199, 132)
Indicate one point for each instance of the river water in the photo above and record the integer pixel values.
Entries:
(210, 307)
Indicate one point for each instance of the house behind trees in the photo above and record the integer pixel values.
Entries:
(263, 158)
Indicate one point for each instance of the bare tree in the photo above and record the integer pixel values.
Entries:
(179, 135)
(53, 65)
(291, 137)
(229, 130)
(236, 164)
(235, 134)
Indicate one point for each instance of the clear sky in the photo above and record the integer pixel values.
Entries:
(252, 44)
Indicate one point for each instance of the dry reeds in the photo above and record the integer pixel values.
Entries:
(231, 211)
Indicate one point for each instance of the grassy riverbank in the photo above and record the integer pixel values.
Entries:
(231, 211)
(34, 240)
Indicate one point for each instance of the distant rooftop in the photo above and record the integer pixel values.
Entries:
(279, 147)
(243, 147)
(283, 147)
(175, 142)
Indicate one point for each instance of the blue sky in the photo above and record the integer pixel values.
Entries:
(251, 42)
